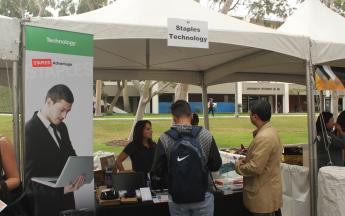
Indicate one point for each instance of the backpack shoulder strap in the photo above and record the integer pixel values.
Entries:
(172, 133)
(196, 130)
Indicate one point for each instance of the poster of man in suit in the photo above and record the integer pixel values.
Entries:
(58, 116)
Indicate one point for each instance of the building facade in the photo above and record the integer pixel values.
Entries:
(284, 97)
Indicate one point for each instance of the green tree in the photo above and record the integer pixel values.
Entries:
(67, 8)
(258, 9)
(70, 7)
(89, 5)
(339, 6)
(10, 8)
(17, 8)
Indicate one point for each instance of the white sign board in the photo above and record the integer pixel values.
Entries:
(187, 33)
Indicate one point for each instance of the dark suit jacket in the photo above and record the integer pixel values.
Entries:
(43, 158)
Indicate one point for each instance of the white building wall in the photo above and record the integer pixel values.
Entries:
(286, 99)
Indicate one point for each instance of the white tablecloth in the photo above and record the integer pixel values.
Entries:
(295, 180)
(331, 191)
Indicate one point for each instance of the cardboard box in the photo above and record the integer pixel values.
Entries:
(293, 154)
(108, 162)
(99, 177)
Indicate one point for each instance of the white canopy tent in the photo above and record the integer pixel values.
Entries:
(324, 27)
(131, 43)
(9, 40)
(326, 30)
(9, 45)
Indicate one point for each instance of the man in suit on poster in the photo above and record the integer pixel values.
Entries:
(47, 148)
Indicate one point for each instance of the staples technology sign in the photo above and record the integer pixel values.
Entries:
(187, 33)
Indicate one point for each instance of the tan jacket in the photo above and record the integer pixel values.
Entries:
(262, 189)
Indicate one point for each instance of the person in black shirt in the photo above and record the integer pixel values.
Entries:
(329, 146)
(141, 150)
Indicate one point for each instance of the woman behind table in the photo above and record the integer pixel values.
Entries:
(9, 178)
(330, 146)
(141, 150)
(340, 125)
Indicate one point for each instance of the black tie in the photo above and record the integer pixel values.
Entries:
(56, 134)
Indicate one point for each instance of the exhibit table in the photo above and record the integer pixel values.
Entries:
(331, 190)
(231, 204)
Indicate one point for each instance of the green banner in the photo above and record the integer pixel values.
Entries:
(58, 41)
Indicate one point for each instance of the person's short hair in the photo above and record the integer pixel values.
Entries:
(60, 92)
(262, 108)
(181, 108)
(195, 119)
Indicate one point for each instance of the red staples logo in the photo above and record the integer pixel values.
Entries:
(41, 62)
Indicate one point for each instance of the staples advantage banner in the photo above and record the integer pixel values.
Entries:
(58, 58)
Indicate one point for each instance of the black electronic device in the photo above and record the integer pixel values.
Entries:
(158, 183)
(109, 195)
(128, 181)
(130, 194)
(75, 212)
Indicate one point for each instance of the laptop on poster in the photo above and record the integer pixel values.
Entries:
(74, 167)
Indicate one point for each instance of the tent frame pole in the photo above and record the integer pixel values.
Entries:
(313, 172)
(15, 112)
(236, 100)
(205, 104)
(21, 98)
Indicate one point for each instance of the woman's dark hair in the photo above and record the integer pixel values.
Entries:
(326, 117)
(138, 134)
(341, 120)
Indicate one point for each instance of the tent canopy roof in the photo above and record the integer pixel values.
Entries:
(131, 43)
(325, 28)
(9, 40)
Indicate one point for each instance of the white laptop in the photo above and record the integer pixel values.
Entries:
(74, 167)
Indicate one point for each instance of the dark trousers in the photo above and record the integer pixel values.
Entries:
(211, 109)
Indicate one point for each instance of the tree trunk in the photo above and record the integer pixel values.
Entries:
(120, 86)
(125, 97)
(181, 92)
(145, 97)
(98, 110)
(226, 7)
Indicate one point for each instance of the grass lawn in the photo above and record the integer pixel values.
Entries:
(6, 126)
(228, 132)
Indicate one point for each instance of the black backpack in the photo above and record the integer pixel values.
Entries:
(187, 171)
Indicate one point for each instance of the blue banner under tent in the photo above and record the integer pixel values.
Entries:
(222, 107)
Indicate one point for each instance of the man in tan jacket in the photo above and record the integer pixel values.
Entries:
(262, 189)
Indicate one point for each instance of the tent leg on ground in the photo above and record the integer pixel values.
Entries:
(311, 137)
